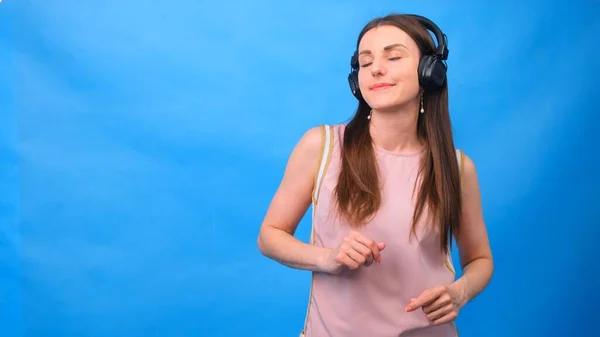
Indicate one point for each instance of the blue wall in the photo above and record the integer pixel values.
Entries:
(141, 142)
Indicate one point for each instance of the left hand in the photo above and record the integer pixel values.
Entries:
(441, 304)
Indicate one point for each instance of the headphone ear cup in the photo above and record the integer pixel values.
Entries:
(432, 72)
(353, 77)
(353, 82)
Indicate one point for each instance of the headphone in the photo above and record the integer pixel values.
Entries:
(432, 68)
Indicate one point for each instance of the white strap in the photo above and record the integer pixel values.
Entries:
(459, 158)
(326, 148)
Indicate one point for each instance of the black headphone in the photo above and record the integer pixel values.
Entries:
(432, 68)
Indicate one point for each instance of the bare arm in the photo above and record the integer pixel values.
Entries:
(293, 197)
(473, 243)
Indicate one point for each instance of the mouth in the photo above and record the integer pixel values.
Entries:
(381, 86)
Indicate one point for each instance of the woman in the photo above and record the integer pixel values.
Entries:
(389, 192)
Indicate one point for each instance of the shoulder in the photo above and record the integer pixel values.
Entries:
(468, 172)
(315, 139)
(468, 166)
(309, 148)
(310, 142)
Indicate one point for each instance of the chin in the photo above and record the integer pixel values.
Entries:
(388, 103)
(383, 104)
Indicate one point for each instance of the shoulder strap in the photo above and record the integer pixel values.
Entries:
(460, 159)
(322, 166)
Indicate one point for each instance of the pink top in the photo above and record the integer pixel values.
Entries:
(370, 301)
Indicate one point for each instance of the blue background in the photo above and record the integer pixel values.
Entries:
(141, 143)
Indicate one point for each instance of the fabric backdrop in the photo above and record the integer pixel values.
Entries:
(142, 141)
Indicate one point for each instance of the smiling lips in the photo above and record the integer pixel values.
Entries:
(380, 86)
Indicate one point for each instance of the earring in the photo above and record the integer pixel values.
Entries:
(422, 109)
(369, 116)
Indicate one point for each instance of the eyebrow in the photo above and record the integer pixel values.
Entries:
(386, 48)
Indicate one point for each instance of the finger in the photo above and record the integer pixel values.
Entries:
(347, 261)
(439, 313)
(371, 244)
(357, 256)
(363, 250)
(426, 297)
(347, 249)
(440, 302)
(449, 317)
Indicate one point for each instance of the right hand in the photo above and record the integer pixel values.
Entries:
(354, 251)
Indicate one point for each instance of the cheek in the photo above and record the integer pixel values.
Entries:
(407, 83)
(406, 88)
(408, 77)
(364, 81)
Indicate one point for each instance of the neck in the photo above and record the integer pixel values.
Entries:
(396, 131)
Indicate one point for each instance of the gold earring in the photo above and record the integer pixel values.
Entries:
(422, 109)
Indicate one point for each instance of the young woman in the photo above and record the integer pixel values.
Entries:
(389, 192)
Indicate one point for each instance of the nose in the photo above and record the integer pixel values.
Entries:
(377, 68)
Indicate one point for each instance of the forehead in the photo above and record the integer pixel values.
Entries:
(376, 39)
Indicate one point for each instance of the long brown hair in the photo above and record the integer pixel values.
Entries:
(358, 190)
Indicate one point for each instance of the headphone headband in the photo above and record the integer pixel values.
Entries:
(442, 41)
(432, 68)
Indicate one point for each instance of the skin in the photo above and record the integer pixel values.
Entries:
(387, 55)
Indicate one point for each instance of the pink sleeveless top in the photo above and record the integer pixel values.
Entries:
(370, 301)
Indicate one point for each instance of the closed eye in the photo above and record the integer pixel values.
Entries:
(391, 59)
